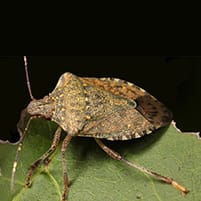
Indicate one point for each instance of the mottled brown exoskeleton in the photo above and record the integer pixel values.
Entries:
(107, 108)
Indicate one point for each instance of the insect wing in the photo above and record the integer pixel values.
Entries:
(126, 121)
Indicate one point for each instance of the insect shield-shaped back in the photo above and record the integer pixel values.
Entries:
(102, 108)
(123, 110)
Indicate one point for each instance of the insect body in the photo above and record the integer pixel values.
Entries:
(107, 108)
(91, 107)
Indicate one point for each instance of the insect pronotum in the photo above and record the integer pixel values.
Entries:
(107, 108)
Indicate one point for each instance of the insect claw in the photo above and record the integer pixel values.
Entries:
(179, 187)
(28, 183)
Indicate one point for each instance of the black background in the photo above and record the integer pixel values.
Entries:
(175, 81)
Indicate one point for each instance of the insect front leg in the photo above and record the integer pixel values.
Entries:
(45, 156)
(117, 156)
(65, 176)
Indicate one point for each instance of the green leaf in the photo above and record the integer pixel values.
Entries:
(94, 175)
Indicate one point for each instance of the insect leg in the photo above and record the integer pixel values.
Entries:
(65, 176)
(117, 156)
(44, 157)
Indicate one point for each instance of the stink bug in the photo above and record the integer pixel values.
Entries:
(102, 108)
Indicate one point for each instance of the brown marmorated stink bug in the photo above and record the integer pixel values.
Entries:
(107, 108)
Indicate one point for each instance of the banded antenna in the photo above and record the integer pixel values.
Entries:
(27, 78)
(25, 129)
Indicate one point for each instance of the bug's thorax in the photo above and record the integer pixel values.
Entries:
(42, 107)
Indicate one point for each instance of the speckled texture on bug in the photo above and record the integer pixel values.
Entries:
(107, 108)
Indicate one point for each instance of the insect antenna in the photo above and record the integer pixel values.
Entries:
(19, 126)
(15, 166)
(19, 148)
(27, 78)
